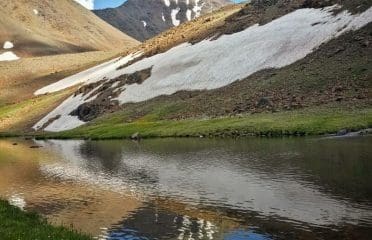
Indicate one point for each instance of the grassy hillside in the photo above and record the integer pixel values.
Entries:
(312, 121)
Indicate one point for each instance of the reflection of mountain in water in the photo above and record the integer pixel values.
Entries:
(276, 178)
(152, 223)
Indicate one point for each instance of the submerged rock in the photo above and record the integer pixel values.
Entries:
(342, 132)
(135, 136)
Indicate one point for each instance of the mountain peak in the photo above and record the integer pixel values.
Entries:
(143, 19)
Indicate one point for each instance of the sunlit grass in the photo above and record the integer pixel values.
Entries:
(314, 121)
(17, 224)
(18, 116)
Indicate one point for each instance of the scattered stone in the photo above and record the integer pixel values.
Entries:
(15, 144)
(365, 132)
(35, 146)
(50, 121)
(135, 136)
(104, 96)
(264, 102)
(365, 43)
(342, 132)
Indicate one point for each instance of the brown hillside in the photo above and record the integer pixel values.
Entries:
(46, 27)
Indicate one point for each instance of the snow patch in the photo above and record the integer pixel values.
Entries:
(167, 3)
(174, 13)
(214, 64)
(197, 9)
(188, 14)
(89, 4)
(8, 56)
(162, 17)
(144, 23)
(8, 45)
(88, 76)
(65, 120)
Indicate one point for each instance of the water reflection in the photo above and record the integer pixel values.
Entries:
(151, 222)
(236, 176)
(197, 188)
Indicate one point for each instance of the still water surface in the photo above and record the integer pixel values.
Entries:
(256, 189)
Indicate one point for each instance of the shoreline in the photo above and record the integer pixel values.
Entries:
(313, 122)
(16, 224)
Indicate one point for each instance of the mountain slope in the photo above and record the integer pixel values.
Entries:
(46, 27)
(143, 19)
(201, 73)
(305, 55)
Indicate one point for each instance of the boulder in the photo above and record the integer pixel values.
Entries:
(135, 136)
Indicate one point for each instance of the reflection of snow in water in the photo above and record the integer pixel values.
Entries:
(211, 183)
(18, 201)
(206, 229)
(103, 235)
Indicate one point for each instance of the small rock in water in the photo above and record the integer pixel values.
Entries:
(364, 132)
(135, 136)
(342, 132)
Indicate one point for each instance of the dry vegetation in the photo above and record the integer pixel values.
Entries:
(20, 79)
(58, 27)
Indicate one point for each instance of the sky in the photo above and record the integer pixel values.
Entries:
(99, 4)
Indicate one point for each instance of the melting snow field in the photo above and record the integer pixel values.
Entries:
(88, 76)
(8, 56)
(214, 64)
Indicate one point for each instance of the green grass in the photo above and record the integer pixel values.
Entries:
(315, 121)
(16, 224)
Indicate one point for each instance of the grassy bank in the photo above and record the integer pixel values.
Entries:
(16, 224)
(315, 121)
